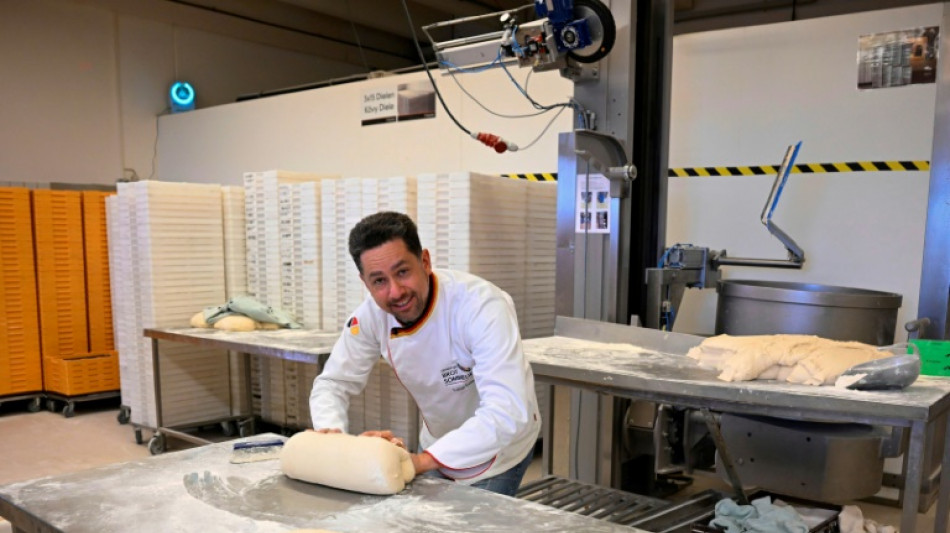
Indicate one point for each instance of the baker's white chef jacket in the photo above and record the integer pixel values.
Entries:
(463, 364)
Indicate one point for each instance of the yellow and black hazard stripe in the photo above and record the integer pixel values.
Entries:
(765, 170)
(803, 168)
(538, 176)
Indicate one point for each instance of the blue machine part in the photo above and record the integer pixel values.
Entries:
(569, 34)
(181, 96)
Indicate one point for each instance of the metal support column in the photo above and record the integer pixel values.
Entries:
(597, 273)
(934, 300)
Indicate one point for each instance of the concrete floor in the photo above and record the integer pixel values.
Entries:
(35, 445)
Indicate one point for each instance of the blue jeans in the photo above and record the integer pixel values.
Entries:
(506, 483)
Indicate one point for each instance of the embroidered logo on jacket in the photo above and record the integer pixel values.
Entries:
(457, 377)
(354, 325)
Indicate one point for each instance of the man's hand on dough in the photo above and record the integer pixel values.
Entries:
(423, 463)
(385, 434)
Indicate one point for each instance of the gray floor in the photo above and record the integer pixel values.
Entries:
(35, 445)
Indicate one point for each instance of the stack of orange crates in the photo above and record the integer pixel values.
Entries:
(70, 367)
(20, 368)
(98, 289)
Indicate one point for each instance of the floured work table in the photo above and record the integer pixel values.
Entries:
(670, 377)
(301, 345)
(199, 490)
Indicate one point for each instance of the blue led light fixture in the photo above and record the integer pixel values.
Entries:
(181, 97)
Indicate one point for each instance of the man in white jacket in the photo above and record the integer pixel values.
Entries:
(452, 340)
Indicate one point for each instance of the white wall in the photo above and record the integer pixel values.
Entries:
(741, 96)
(320, 131)
(81, 86)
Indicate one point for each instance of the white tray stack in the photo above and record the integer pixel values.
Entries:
(299, 251)
(542, 261)
(499, 229)
(169, 261)
(432, 216)
(283, 242)
(334, 258)
(235, 281)
(354, 292)
(118, 230)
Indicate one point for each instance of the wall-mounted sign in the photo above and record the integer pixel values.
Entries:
(406, 101)
(898, 58)
(593, 204)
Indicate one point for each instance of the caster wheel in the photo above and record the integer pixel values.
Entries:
(227, 428)
(156, 445)
(34, 406)
(125, 414)
(138, 436)
(51, 406)
(69, 410)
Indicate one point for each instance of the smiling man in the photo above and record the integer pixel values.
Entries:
(452, 340)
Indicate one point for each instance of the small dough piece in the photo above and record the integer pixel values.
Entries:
(361, 464)
(236, 323)
(267, 325)
(198, 321)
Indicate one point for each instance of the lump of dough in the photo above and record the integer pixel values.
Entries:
(268, 325)
(361, 464)
(826, 363)
(198, 321)
(236, 323)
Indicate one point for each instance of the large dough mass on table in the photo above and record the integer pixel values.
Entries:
(805, 359)
(360, 464)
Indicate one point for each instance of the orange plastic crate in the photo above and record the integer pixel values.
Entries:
(20, 363)
(87, 374)
(98, 288)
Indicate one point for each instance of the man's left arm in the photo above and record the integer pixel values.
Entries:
(489, 329)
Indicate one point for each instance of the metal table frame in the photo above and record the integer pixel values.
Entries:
(703, 391)
(305, 346)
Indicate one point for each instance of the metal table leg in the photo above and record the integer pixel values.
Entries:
(157, 381)
(914, 466)
(943, 494)
(547, 434)
(248, 394)
(727, 463)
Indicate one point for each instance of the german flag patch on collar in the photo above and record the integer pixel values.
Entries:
(354, 325)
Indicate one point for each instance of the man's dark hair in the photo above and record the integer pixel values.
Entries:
(376, 230)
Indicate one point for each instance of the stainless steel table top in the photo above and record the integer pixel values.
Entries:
(662, 372)
(304, 345)
(199, 490)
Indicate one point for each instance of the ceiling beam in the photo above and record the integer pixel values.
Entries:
(327, 41)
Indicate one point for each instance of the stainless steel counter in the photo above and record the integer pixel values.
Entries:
(199, 490)
(662, 373)
(302, 345)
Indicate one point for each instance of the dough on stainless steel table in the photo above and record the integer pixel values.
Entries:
(805, 359)
(361, 464)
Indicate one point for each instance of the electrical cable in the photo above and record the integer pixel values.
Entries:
(536, 139)
(359, 45)
(483, 106)
(415, 41)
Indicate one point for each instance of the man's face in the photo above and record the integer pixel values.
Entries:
(397, 279)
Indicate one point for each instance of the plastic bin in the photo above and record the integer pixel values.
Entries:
(934, 356)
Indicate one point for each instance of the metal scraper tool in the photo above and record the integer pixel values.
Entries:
(889, 373)
(253, 451)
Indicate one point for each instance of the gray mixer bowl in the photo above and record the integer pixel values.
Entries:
(748, 307)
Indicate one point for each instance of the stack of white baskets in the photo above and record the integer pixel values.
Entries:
(168, 254)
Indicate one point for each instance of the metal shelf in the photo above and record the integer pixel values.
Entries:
(586, 499)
